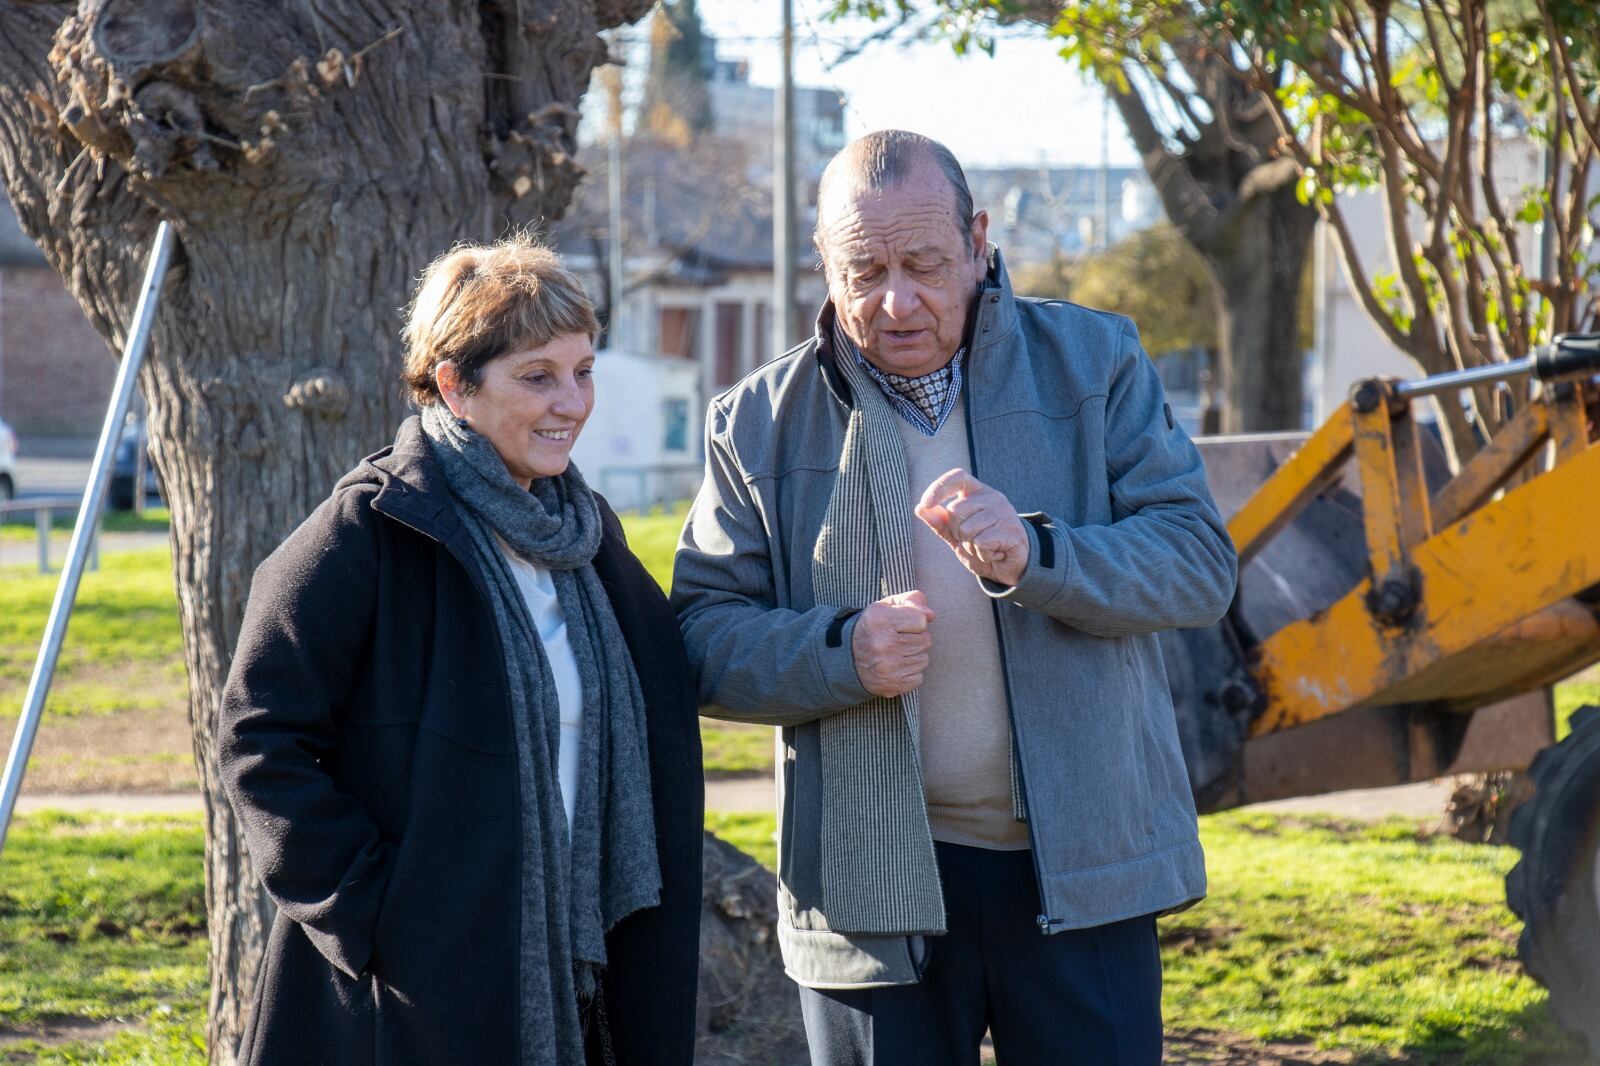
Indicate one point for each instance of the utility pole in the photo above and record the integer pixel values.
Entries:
(614, 316)
(783, 236)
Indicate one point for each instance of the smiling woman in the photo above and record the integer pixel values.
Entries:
(530, 404)
(460, 729)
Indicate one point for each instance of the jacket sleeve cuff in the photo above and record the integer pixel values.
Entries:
(1045, 577)
(836, 662)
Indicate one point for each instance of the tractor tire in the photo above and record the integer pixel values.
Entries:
(1555, 888)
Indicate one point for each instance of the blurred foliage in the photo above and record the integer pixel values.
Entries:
(1417, 100)
(1208, 142)
(677, 100)
(1156, 278)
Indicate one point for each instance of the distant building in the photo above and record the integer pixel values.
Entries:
(55, 371)
(641, 447)
(1039, 214)
(698, 242)
(747, 113)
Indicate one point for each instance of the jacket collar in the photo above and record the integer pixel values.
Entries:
(412, 490)
(994, 317)
(411, 484)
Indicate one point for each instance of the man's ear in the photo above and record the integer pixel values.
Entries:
(979, 237)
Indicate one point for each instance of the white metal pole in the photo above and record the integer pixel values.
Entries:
(83, 532)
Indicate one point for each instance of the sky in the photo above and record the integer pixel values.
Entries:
(1026, 105)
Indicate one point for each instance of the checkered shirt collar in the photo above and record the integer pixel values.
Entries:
(925, 401)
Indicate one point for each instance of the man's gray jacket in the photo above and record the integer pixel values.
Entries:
(1066, 417)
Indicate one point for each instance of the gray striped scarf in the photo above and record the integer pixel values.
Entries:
(576, 884)
(878, 869)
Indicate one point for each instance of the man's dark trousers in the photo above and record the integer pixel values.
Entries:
(1086, 997)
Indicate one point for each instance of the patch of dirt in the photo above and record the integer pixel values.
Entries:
(1187, 938)
(58, 1030)
(126, 751)
(1201, 1046)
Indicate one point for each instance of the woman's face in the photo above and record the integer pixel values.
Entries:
(530, 404)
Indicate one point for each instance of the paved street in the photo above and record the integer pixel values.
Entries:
(39, 476)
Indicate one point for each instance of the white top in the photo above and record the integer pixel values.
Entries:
(539, 592)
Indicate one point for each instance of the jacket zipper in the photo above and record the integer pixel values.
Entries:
(1043, 919)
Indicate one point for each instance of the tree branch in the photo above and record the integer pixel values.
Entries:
(1567, 74)
(1185, 202)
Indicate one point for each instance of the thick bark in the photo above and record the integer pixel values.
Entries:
(1259, 268)
(312, 159)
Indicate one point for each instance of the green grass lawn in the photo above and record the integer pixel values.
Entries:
(103, 920)
(1374, 939)
(1371, 937)
(124, 645)
(654, 539)
(1569, 697)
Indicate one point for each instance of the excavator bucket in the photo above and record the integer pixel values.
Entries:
(1299, 573)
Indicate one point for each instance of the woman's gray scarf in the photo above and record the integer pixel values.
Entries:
(574, 888)
(879, 872)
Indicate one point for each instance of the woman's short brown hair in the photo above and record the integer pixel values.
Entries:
(478, 302)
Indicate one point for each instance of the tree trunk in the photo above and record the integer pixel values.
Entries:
(1231, 193)
(1258, 269)
(312, 158)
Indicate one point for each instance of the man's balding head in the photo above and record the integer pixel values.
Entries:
(881, 159)
(903, 250)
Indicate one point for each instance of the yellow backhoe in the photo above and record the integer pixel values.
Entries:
(1396, 622)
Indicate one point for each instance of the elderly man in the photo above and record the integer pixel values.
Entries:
(934, 545)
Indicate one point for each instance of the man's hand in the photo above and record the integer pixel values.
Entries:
(979, 524)
(890, 643)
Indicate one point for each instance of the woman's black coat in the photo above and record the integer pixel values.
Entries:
(366, 745)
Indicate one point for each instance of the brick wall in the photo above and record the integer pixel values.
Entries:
(55, 371)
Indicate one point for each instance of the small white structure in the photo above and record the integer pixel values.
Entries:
(642, 444)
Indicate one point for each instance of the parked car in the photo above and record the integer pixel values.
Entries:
(123, 469)
(8, 463)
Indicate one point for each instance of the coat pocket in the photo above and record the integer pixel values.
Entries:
(1142, 752)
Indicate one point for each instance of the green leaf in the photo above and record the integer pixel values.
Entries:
(1405, 71)
(1305, 188)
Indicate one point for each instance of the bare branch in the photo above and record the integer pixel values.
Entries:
(1357, 30)
(1180, 99)
(1565, 72)
(1186, 203)
(1440, 57)
(1355, 273)
(1401, 245)
(1577, 204)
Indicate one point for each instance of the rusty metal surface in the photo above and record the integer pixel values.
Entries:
(1505, 562)
(1375, 747)
(1429, 673)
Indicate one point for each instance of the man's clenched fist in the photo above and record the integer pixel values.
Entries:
(979, 524)
(890, 643)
